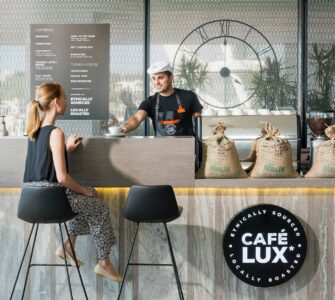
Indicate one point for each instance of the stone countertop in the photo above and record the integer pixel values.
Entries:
(266, 183)
(122, 162)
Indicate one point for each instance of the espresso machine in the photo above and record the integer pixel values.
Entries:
(318, 121)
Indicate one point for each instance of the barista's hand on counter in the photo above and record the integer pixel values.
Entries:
(134, 121)
(73, 141)
(124, 130)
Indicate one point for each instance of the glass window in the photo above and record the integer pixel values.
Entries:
(126, 56)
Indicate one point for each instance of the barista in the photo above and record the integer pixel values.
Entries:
(170, 109)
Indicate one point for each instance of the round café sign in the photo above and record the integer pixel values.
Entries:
(265, 245)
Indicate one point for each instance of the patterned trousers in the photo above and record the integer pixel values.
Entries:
(93, 218)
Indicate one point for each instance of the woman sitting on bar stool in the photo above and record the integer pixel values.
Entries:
(46, 165)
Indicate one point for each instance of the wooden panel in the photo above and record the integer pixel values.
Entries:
(197, 242)
(121, 162)
(12, 161)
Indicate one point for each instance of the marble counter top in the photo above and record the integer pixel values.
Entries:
(265, 182)
(122, 162)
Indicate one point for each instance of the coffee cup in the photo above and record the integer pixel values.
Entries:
(115, 130)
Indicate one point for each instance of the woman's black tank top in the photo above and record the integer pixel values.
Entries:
(39, 161)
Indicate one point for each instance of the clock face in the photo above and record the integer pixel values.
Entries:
(217, 61)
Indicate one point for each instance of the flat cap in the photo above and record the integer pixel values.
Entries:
(158, 67)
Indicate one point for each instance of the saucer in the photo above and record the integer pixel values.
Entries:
(115, 135)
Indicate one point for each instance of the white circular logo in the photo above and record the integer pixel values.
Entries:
(265, 245)
(170, 129)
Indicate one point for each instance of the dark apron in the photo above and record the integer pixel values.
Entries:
(169, 123)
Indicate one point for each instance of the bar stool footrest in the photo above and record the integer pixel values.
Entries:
(51, 265)
(147, 264)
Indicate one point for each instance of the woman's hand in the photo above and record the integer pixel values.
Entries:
(73, 141)
(88, 193)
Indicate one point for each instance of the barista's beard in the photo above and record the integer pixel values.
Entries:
(169, 88)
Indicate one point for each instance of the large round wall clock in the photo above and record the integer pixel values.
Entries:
(218, 59)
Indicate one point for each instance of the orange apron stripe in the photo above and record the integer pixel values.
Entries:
(167, 122)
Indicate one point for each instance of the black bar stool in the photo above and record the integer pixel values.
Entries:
(152, 204)
(46, 205)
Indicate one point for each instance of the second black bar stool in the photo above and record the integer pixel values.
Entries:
(152, 204)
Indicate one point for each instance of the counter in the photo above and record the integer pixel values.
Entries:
(209, 205)
(122, 162)
(112, 162)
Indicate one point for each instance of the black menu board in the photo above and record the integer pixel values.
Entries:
(77, 56)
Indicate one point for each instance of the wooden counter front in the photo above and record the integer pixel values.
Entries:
(197, 241)
(208, 207)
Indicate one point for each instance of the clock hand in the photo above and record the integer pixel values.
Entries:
(235, 79)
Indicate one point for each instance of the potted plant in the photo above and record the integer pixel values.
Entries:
(322, 96)
(320, 100)
(190, 73)
(273, 88)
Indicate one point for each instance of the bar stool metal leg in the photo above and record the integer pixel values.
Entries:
(130, 254)
(66, 265)
(75, 258)
(24, 255)
(29, 265)
(180, 290)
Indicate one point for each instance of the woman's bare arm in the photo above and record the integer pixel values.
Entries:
(57, 142)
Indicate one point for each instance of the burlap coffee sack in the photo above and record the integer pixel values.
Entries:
(219, 157)
(252, 154)
(274, 156)
(324, 162)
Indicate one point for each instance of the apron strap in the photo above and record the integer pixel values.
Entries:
(156, 110)
(178, 100)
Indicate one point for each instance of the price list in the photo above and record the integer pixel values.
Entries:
(77, 56)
